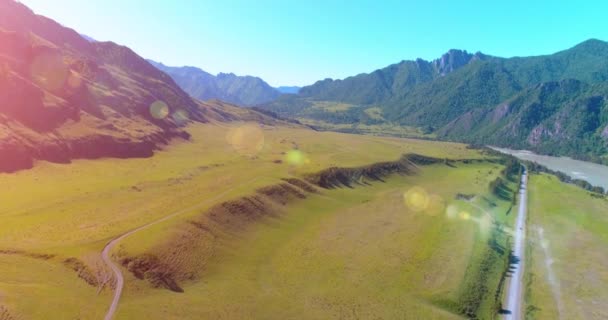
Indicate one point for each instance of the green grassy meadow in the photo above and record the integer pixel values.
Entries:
(350, 253)
(380, 129)
(567, 279)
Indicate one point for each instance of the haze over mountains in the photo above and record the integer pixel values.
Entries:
(289, 89)
(553, 104)
(241, 90)
(64, 97)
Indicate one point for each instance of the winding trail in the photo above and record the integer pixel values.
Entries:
(514, 296)
(106, 257)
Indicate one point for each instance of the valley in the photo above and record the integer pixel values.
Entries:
(58, 228)
(130, 189)
(320, 259)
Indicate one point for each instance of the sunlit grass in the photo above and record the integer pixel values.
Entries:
(380, 129)
(73, 210)
(350, 253)
(330, 106)
(575, 234)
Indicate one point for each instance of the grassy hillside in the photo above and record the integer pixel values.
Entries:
(320, 257)
(566, 275)
(57, 229)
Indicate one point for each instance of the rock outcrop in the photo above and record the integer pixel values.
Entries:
(454, 59)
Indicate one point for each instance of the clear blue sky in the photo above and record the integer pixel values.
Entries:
(299, 42)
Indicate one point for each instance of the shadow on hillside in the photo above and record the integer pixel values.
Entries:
(497, 247)
(491, 203)
(504, 193)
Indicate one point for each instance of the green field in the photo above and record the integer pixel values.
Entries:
(329, 106)
(345, 252)
(381, 129)
(349, 253)
(566, 276)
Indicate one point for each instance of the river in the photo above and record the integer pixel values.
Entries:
(594, 173)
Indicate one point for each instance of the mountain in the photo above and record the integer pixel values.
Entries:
(63, 97)
(383, 84)
(89, 39)
(461, 96)
(241, 90)
(288, 89)
(561, 117)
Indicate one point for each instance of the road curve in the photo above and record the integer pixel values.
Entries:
(120, 281)
(514, 295)
(105, 253)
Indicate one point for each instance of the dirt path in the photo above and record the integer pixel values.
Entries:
(553, 280)
(514, 295)
(105, 254)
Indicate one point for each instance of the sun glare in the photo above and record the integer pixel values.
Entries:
(247, 139)
(49, 71)
(416, 199)
(159, 109)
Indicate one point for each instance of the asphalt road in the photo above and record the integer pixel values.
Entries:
(514, 299)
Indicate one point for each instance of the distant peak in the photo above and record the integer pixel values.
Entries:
(590, 47)
(155, 63)
(592, 43)
(454, 59)
(89, 39)
(456, 52)
(183, 69)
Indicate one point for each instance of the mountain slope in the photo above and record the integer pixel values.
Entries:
(63, 97)
(241, 90)
(563, 117)
(381, 85)
(460, 88)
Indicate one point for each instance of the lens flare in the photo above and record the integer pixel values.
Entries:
(485, 224)
(74, 80)
(416, 199)
(451, 211)
(159, 109)
(463, 215)
(49, 71)
(247, 139)
(180, 117)
(296, 158)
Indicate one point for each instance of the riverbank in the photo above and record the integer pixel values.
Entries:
(593, 173)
